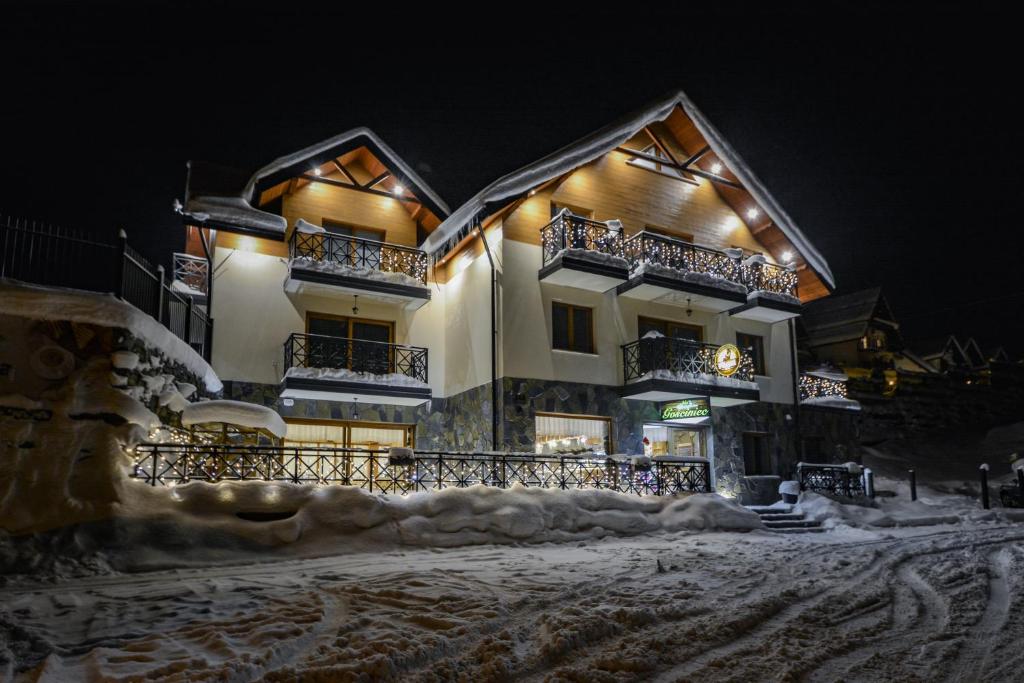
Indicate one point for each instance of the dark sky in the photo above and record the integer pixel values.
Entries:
(894, 140)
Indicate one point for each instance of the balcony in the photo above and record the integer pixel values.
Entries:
(669, 270)
(771, 292)
(825, 388)
(342, 369)
(657, 368)
(191, 276)
(578, 252)
(329, 264)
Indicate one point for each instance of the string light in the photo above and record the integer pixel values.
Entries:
(812, 386)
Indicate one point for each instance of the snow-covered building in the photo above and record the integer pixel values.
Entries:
(635, 290)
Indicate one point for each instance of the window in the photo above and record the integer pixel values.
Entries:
(341, 228)
(572, 328)
(329, 344)
(669, 329)
(558, 433)
(754, 345)
(755, 455)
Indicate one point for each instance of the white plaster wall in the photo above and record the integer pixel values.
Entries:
(527, 324)
(253, 317)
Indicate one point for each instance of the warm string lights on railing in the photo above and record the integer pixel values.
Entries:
(812, 386)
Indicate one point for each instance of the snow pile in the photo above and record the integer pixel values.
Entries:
(391, 379)
(689, 276)
(593, 256)
(186, 289)
(56, 304)
(308, 228)
(309, 520)
(894, 513)
(234, 211)
(696, 378)
(236, 413)
(653, 334)
(345, 270)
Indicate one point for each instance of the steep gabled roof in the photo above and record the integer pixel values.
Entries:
(510, 187)
(842, 318)
(975, 357)
(948, 347)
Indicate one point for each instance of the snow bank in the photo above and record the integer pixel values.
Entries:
(52, 303)
(594, 256)
(690, 276)
(831, 402)
(889, 513)
(343, 519)
(308, 228)
(236, 413)
(234, 211)
(391, 379)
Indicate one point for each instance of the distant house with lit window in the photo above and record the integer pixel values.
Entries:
(635, 292)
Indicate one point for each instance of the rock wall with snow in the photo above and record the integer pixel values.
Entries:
(73, 395)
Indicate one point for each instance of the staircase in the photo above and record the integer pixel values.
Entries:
(782, 519)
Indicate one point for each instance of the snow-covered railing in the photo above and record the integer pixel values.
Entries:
(567, 231)
(357, 254)
(653, 356)
(45, 255)
(669, 252)
(768, 277)
(190, 274)
(841, 480)
(822, 385)
(376, 471)
(355, 355)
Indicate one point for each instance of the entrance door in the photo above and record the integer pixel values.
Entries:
(755, 454)
(374, 358)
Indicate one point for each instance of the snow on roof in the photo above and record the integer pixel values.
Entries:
(601, 142)
(840, 318)
(234, 211)
(393, 161)
(236, 413)
(56, 303)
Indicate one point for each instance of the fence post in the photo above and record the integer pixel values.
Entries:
(188, 320)
(160, 296)
(913, 485)
(983, 472)
(707, 477)
(1020, 479)
(122, 254)
(208, 336)
(153, 471)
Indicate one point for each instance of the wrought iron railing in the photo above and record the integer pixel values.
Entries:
(192, 272)
(768, 277)
(47, 255)
(358, 355)
(814, 386)
(835, 479)
(574, 232)
(326, 249)
(682, 359)
(374, 470)
(647, 247)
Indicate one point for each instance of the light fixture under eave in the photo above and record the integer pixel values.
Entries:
(355, 304)
(787, 256)
(752, 213)
(316, 171)
(716, 168)
(398, 190)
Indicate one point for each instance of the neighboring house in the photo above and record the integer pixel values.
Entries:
(634, 291)
(945, 354)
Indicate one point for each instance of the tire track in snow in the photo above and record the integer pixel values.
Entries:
(981, 640)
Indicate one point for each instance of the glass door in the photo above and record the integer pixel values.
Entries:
(373, 357)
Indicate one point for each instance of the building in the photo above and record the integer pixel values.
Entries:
(635, 291)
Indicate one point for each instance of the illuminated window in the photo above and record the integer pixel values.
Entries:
(572, 434)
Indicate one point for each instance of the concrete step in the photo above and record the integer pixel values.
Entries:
(791, 524)
(769, 509)
(801, 530)
(780, 516)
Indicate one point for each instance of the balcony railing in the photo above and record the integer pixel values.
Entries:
(768, 277)
(648, 247)
(341, 254)
(375, 471)
(679, 359)
(323, 352)
(192, 272)
(573, 232)
(815, 386)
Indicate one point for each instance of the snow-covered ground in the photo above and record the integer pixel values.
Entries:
(854, 604)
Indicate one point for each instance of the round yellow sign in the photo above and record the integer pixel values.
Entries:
(727, 360)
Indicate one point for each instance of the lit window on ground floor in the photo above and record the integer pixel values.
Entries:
(567, 434)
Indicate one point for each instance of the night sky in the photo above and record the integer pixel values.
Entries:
(894, 140)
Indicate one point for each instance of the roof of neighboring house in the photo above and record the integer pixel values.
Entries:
(223, 195)
(508, 188)
(943, 347)
(843, 318)
(973, 352)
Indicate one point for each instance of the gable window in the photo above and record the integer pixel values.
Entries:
(754, 345)
(572, 328)
(669, 329)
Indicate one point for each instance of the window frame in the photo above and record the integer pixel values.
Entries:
(760, 362)
(348, 320)
(699, 329)
(573, 416)
(570, 325)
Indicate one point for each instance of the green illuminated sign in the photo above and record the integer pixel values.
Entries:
(691, 407)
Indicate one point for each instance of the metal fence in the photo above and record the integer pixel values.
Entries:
(648, 247)
(357, 355)
(574, 232)
(192, 271)
(679, 358)
(835, 479)
(358, 253)
(374, 470)
(59, 257)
